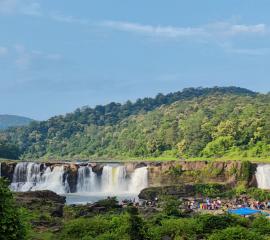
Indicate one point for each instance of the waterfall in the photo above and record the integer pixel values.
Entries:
(87, 179)
(113, 179)
(28, 176)
(25, 176)
(139, 180)
(263, 176)
(53, 180)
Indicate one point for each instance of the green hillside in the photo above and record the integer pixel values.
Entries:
(197, 122)
(7, 121)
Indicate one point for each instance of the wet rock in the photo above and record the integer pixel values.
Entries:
(72, 176)
(42, 201)
(7, 170)
(156, 192)
(178, 191)
(97, 168)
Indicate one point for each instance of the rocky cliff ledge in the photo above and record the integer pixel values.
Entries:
(230, 172)
(164, 173)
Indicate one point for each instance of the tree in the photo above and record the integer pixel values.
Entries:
(9, 151)
(218, 147)
(12, 222)
(136, 230)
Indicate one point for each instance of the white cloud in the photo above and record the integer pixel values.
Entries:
(259, 28)
(3, 51)
(218, 29)
(159, 31)
(33, 8)
(25, 7)
(67, 19)
(250, 51)
(25, 58)
(230, 48)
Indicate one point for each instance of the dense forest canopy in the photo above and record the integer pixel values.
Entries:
(196, 122)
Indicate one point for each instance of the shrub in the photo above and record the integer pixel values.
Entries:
(235, 233)
(13, 223)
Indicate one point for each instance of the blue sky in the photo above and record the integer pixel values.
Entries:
(56, 56)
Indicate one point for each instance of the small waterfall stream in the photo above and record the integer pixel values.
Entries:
(87, 180)
(263, 176)
(139, 180)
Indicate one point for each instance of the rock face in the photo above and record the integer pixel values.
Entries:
(175, 172)
(183, 190)
(42, 201)
(72, 176)
(7, 169)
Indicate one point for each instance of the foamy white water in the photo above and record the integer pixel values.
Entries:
(53, 180)
(113, 181)
(139, 180)
(29, 177)
(87, 180)
(263, 176)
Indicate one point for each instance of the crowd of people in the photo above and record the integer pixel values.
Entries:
(204, 204)
(216, 204)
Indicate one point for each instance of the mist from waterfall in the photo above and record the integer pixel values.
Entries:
(263, 176)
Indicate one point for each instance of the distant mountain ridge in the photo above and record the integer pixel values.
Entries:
(7, 121)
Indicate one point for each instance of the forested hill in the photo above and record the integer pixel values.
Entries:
(7, 121)
(209, 122)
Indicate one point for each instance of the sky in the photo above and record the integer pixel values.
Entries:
(56, 56)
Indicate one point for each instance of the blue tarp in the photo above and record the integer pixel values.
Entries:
(243, 211)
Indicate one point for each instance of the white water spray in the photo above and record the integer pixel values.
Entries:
(29, 177)
(53, 180)
(263, 176)
(113, 180)
(139, 180)
(87, 180)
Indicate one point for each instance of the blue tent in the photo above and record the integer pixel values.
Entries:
(243, 211)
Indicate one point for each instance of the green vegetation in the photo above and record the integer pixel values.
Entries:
(125, 226)
(13, 220)
(195, 123)
(8, 150)
(171, 221)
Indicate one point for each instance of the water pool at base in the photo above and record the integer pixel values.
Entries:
(84, 198)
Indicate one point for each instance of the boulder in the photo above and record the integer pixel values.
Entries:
(42, 201)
